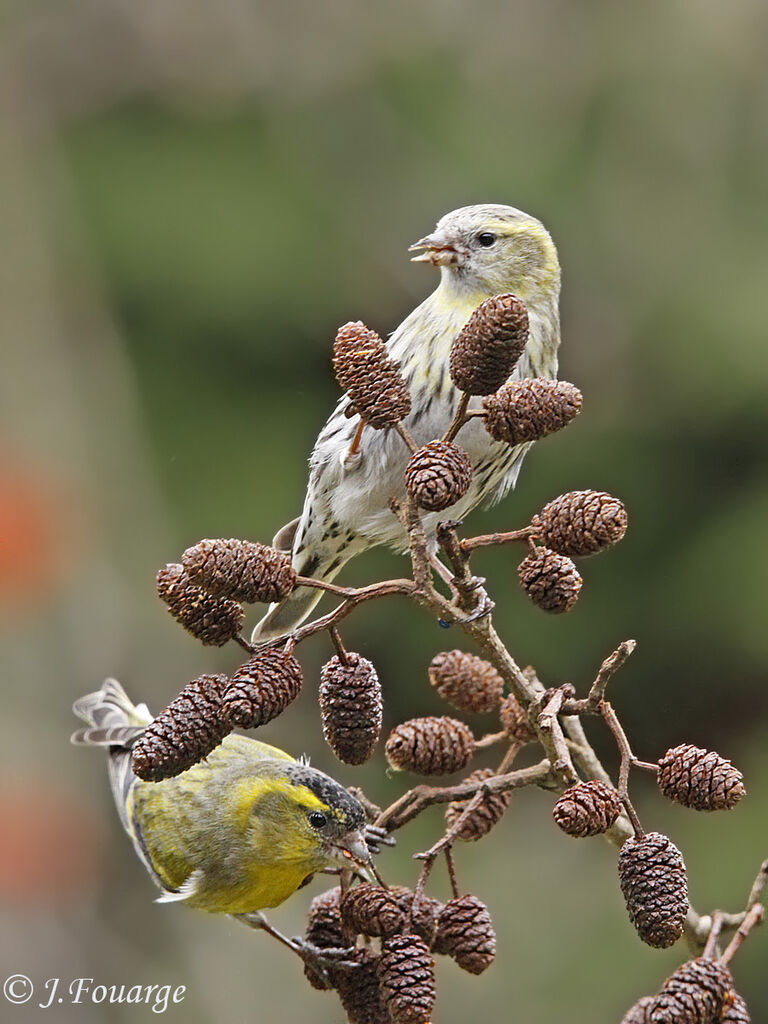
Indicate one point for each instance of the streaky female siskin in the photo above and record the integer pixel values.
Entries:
(481, 251)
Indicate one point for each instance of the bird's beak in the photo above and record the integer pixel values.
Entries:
(354, 850)
(437, 251)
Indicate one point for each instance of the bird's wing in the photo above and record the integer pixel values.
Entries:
(185, 891)
(285, 536)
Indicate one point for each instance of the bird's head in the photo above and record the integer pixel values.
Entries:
(488, 250)
(299, 814)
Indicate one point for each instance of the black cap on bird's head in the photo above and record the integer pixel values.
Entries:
(336, 815)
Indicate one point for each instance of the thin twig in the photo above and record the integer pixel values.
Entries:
(552, 738)
(245, 644)
(490, 740)
(758, 886)
(488, 539)
(451, 872)
(353, 599)
(459, 418)
(508, 759)
(412, 803)
(340, 650)
(405, 434)
(754, 916)
(354, 448)
(609, 667)
(627, 758)
(446, 841)
(714, 935)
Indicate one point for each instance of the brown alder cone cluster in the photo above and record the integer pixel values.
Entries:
(374, 944)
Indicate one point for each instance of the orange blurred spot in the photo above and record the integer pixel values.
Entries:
(31, 536)
(50, 844)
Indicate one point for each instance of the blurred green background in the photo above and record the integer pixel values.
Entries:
(194, 196)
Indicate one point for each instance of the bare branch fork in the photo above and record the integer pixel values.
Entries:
(206, 594)
(554, 714)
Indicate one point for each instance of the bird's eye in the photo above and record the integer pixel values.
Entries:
(316, 819)
(486, 239)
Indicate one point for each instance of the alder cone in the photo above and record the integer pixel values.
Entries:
(420, 919)
(438, 475)
(581, 523)
(700, 779)
(359, 989)
(551, 580)
(430, 746)
(372, 910)
(514, 719)
(240, 569)
(192, 725)
(467, 682)
(734, 1010)
(373, 381)
(489, 345)
(324, 930)
(587, 809)
(487, 814)
(693, 994)
(213, 620)
(465, 932)
(640, 1012)
(653, 881)
(526, 410)
(350, 707)
(263, 687)
(407, 979)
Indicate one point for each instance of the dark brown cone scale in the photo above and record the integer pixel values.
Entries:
(581, 523)
(653, 881)
(263, 687)
(525, 410)
(324, 930)
(430, 746)
(359, 989)
(694, 994)
(421, 919)
(734, 1010)
(587, 809)
(514, 719)
(373, 381)
(467, 682)
(489, 345)
(192, 725)
(640, 1012)
(481, 820)
(551, 580)
(240, 569)
(699, 778)
(465, 932)
(407, 979)
(372, 910)
(350, 707)
(213, 620)
(437, 475)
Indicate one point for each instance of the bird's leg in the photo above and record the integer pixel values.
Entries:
(319, 960)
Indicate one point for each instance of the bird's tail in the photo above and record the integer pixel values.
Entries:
(112, 721)
(111, 717)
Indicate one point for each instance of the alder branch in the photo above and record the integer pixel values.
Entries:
(418, 799)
